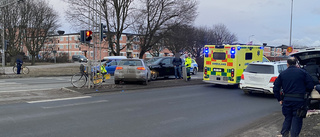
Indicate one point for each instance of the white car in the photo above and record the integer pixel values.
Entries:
(258, 77)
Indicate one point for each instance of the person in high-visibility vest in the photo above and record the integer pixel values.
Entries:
(103, 71)
(187, 63)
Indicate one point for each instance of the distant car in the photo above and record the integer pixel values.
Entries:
(258, 77)
(131, 70)
(79, 58)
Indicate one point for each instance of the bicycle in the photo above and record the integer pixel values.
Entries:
(24, 69)
(80, 79)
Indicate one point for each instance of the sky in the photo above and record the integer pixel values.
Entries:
(260, 21)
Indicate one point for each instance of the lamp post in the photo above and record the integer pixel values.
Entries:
(291, 24)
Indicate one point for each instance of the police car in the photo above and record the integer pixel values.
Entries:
(258, 77)
(304, 56)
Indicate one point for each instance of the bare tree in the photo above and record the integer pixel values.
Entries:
(178, 38)
(222, 35)
(28, 25)
(40, 21)
(115, 14)
(155, 16)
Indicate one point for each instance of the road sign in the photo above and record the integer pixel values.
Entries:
(289, 49)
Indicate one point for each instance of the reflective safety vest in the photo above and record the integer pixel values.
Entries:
(103, 69)
(188, 62)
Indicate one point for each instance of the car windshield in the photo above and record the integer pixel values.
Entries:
(156, 61)
(130, 63)
(150, 61)
(257, 68)
(81, 56)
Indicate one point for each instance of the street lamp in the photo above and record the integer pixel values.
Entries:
(291, 24)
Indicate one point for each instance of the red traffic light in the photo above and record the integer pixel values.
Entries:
(88, 33)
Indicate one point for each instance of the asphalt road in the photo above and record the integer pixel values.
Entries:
(189, 111)
(38, 83)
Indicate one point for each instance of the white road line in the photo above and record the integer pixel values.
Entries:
(76, 104)
(23, 90)
(59, 99)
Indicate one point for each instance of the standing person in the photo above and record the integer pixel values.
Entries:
(188, 62)
(294, 91)
(177, 62)
(314, 70)
(19, 62)
(103, 71)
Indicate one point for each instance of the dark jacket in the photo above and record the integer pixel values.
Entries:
(314, 70)
(293, 81)
(177, 61)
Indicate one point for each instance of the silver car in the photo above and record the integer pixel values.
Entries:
(131, 70)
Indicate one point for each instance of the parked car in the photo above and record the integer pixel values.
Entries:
(161, 67)
(304, 56)
(258, 77)
(79, 58)
(132, 70)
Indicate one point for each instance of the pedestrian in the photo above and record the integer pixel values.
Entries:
(293, 96)
(19, 61)
(188, 62)
(177, 62)
(314, 70)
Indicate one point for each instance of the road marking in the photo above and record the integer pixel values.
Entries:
(25, 90)
(59, 99)
(76, 104)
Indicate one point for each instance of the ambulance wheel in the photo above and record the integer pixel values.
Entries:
(195, 71)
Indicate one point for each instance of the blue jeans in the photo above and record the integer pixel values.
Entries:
(292, 123)
(177, 74)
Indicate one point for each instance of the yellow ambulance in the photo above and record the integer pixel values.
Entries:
(224, 64)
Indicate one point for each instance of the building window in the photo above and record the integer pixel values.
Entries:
(61, 47)
(61, 38)
(121, 54)
(76, 46)
(135, 47)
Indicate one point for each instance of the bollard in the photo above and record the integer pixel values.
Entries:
(184, 72)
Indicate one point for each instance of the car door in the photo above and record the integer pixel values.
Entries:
(111, 67)
(167, 66)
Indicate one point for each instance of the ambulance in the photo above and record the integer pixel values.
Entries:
(224, 64)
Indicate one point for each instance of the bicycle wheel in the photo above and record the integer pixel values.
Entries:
(25, 70)
(78, 80)
(14, 69)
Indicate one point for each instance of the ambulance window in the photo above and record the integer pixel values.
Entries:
(248, 56)
(219, 56)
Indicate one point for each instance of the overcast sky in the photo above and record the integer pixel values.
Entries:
(262, 21)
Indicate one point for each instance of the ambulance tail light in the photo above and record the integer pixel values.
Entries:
(205, 71)
(242, 77)
(232, 72)
(273, 79)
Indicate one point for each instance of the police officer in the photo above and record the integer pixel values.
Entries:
(295, 82)
(188, 62)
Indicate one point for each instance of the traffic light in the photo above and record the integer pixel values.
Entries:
(88, 36)
(102, 31)
(82, 36)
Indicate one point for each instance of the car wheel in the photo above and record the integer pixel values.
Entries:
(145, 82)
(154, 76)
(246, 92)
(195, 71)
(116, 82)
